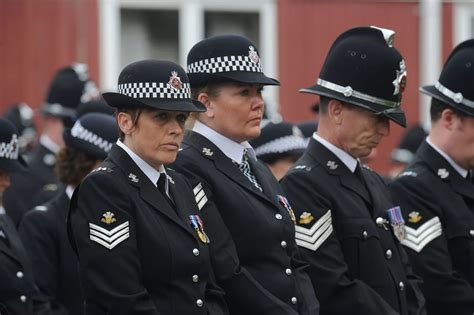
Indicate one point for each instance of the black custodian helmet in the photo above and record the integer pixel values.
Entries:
(455, 86)
(363, 68)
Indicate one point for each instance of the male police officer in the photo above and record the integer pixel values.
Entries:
(346, 221)
(436, 192)
(69, 87)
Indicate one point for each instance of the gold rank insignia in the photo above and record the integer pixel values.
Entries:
(414, 217)
(108, 218)
(306, 218)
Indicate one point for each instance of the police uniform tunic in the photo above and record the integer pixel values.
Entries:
(438, 208)
(18, 295)
(252, 234)
(43, 231)
(356, 264)
(137, 254)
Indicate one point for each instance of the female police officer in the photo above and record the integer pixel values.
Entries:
(248, 219)
(142, 246)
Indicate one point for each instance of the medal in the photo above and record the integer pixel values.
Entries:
(397, 222)
(198, 226)
(284, 202)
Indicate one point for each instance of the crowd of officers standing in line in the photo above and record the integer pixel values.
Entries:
(125, 208)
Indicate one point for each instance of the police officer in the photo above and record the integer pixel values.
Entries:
(404, 153)
(18, 294)
(43, 230)
(142, 245)
(436, 191)
(247, 216)
(347, 223)
(21, 116)
(70, 86)
(279, 146)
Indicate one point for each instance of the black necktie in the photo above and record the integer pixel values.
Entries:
(161, 185)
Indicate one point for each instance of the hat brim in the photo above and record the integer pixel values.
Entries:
(14, 166)
(83, 146)
(397, 115)
(179, 105)
(244, 77)
(432, 91)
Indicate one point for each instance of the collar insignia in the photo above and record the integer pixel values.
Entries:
(414, 217)
(332, 165)
(108, 218)
(306, 218)
(443, 173)
(133, 177)
(170, 179)
(207, 151)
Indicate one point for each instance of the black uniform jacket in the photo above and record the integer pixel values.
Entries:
(253, 249)
(34, 186)
(357, 265)
(44, 234)
(137, 254)
(438, 208)
(18, 294)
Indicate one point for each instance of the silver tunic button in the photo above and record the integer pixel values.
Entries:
(388, 253)
(283, 244)
(278, 216)
(471, 232)
(365, 234)
(401, 285)
(19, 274)
(288, 271)
(196, 252)
(379, 221)
(294, 300)
(199, 303)
(195, 278)
(23, 298)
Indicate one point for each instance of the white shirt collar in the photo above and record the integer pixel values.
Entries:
(2, 210)
(146, 168)
(69, 191)
(463, 172)
(342, 155)
(230, 148)
(52, 146)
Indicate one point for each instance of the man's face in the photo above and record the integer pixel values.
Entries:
(361, 131)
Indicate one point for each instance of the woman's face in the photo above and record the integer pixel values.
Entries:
(236, 110)
(156, 136)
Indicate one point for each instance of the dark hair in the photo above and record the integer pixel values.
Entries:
(212, 86)
(323, 104)
(437, 108)
(133, 112)
(72, 165)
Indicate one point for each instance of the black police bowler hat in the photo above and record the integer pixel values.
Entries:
(279, 140)
(69, 87)
(10, 158)
(362, 68)
(228, 56)
(455, 86)
(94, 106)
(93, 133)
(154, 83)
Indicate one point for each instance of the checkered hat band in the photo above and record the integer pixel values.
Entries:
(225, 64)
(154, 90)
(10, 150)
(282, 145)
(79, 132)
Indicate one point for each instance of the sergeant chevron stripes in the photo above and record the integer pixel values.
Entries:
(78, 131)
(109, 239)
(417, 239)
(313, 237)
(200, 195)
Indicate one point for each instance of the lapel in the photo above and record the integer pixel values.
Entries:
(441, 168)
(14, 248)
(334, 166)
(225, 165)
(148, 192)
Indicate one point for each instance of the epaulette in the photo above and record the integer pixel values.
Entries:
(408, 173)
(302, 167)
(41, 208)
(102, 169)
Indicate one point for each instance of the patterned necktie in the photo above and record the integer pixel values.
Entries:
(161, 185)
(244, 167)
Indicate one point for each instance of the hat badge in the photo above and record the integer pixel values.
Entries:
(401, 80)
(253, 55)
(175, 81)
